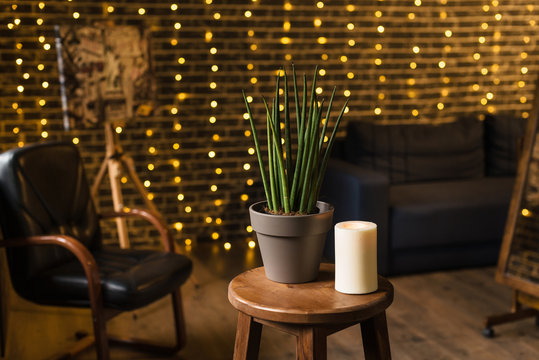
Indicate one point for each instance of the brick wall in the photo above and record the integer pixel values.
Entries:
(396, 60)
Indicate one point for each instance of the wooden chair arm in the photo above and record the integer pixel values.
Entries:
(166, 236)
(82, 254)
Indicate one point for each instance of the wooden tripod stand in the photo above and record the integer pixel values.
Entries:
(116, 160)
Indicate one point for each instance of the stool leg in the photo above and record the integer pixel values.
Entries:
(375, 338)
(248, 335)
(311, 344)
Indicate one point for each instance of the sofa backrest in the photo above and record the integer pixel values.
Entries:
(418, 152)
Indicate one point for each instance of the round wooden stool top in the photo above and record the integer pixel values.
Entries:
(314, 302)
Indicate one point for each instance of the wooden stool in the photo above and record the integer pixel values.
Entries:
(311, 311)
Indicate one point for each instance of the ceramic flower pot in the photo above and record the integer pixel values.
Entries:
(291, 246)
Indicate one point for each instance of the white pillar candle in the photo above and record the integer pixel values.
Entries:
(355, 257)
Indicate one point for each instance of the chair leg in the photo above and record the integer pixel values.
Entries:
(311, 344)
(248, 335)
(179, 319)
(375, 338)
(100, 331)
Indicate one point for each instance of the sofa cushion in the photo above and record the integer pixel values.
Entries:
(418, 152)
(502, 135)
(449, 212)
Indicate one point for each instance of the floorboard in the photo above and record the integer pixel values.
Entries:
(434, 316)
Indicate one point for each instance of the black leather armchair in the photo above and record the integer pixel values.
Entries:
(54, 246)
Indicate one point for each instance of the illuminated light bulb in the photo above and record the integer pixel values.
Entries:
(415, 112)
(181, 60)
(324, 57)
(378, 47)
(44, 134)
(475, 87)
(497, 35)
(208, 36)
(523, 99)
(188, 242)
(177, 77)
(177, 26)
(251, 151)
(525, 115)
(173, 42)
(412, 94)
(377, 111)
(26, 76)
(344, 58)
(319, 90)
(320, 4)
(214, 68)
(532, 23)
(18, 61)
(444, 92)
(16, 130)
(216, 137)
(213, 104)
(250, 33)
(380, 29)
(248, 14)
(347, 93)
(211, 154)
(410, 81)
(141, 11)
(249, 99)
(147, 183)
(382, 78)
(218, 221)
(350, 75)
(378, 61)
(378, 14)
(481, 39)
(76, 15)
(244, 197)
(317, 22)
(446, 80)
(177, 179)
(217, 16)
(152, 150)
(209, 2)
(350, 26)
(118, 129)
(347, 110)
(15, 106)
(523, 55)
(212, 119)
(215, 236)
(484, 71)
(521, 84)
(351, 42)
(227, 246)
(41, 5)
(476, 56)
(20, 88)
(41, 102)
(413, 65)
(47, 47)
(322, 72)
(288, 57)
(526, 39)
(448, 33)
(440, 106)
(253, 47)
(176, 163)
(110, 9)
(247, 133)
(483, 101)
(490, 96)
(10, 26)
(208, 219)
(322, 40)
(174, 110)
(441, 64)
(188, 209)
(19, 46)
(250, 182)
(285, 40)
(252, 244)
(498, 17)
(484, 26)
(218, 171)
(287, 6)
(495, 67)
(486, 8)
(177, 127)
(443, 15)
(181, 197)
(178, 226)
(41, 39)
(417, 2)
(151, 167)
(174, 7)
(75, 140)
(287, 25)
(416, 49)
(411, 16)
(350, 7)
(39, 21)
(175, 146)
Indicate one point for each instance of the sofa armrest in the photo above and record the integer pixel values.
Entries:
(358, 194)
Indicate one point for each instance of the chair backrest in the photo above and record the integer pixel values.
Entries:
(43, 191)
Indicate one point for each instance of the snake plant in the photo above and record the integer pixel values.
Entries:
(293, 172)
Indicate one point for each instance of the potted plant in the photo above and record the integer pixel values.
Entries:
(291, 224)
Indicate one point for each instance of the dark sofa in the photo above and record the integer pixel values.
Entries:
(439, 193)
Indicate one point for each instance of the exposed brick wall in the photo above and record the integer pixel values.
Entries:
(471, 57)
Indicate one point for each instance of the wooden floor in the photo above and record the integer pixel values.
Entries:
(434, 316)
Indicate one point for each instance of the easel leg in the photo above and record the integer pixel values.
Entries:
(117, 200)
(517, 313)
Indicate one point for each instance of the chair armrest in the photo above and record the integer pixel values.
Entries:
(166, 236)
(74, 246)
(359, 194)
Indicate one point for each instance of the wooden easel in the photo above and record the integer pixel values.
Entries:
(116, 160)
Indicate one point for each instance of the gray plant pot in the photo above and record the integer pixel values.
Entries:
(291, 246)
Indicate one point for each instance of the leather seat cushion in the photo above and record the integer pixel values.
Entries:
(129, 279)
(448, 213)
